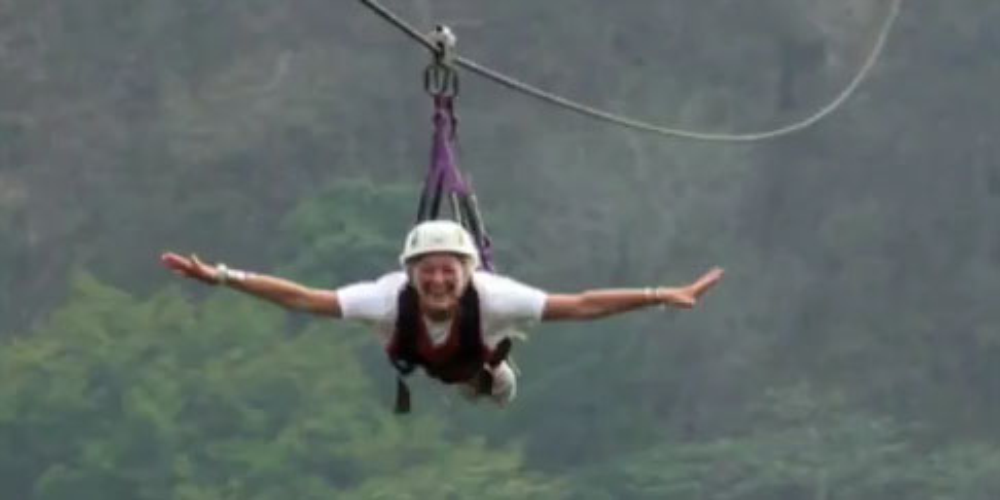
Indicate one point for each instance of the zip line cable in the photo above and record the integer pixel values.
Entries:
(624, 121)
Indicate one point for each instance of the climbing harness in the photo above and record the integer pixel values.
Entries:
(446, 193)
(444, 182)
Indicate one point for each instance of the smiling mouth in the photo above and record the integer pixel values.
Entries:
(437, 292)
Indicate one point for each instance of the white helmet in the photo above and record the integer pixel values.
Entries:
(439, 236)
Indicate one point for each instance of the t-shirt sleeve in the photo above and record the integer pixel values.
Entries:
(510, 300)
(373, 301)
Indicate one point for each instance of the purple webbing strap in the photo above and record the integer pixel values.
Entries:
(444, 168)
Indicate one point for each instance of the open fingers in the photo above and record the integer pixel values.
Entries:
(190, 267)
(707, 281)
(175, 262)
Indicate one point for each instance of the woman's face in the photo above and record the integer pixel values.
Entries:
(440, 280)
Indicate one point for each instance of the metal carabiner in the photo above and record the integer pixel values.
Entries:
(440, 77)
(440, 80)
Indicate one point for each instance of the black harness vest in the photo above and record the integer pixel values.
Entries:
(461, 359)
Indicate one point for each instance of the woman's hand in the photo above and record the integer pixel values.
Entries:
(687, 296)
(190, 267)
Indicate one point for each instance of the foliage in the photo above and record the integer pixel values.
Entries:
(289, 138)
(119, 398)
(806, 445)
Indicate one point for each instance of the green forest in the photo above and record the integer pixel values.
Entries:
(852, 351)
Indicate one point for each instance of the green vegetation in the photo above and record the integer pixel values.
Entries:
(853, 351)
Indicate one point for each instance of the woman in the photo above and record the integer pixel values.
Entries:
(443, 314)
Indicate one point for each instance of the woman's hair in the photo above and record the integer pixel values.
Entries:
(468, 266)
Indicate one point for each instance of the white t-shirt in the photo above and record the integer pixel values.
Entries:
(504, 306)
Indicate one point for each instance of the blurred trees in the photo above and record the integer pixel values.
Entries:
(851, 352)
(162, 398)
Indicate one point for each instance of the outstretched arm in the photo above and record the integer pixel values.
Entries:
(596, 304)
(280, 291)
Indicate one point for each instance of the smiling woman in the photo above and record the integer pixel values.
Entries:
(442, 312)
(446, 312)
(438, 279)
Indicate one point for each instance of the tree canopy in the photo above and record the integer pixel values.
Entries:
(853, 350)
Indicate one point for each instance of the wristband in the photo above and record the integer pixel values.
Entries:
(655, 295)
(224, 275)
